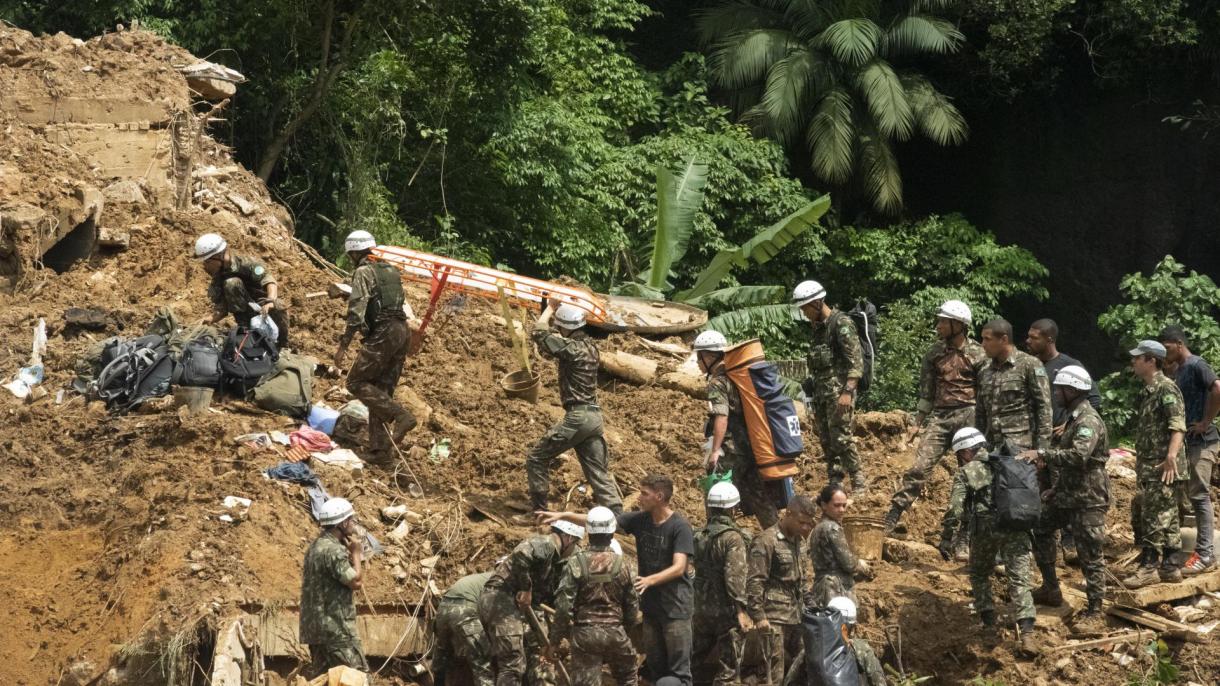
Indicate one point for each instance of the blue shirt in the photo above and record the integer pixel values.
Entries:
(1195, 378)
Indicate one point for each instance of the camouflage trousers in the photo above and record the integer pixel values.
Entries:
(1014, 551)
(716, 651)
(1089, 531)
(594, 645)
(514, 645)
(237, 303)
(326, 655)
(782, 643)
(1154, 516)
(934, 442)
(581, 428)
(374, 376)
(834, 428)
(459, 636)
(754, 498)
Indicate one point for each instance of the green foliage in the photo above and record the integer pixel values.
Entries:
(679, 196)
(1169, 295)
(903, 679)
(1162, 670)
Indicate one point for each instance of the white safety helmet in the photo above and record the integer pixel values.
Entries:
(359, 241)
(601, 521)
(807, 292)
(335, 511)
(956, 310)
(967, 438)
(844, 606)
(723, 495)
(1074, 376)
(570, 316)
(712, 341)
(209, 245)
(563, 526)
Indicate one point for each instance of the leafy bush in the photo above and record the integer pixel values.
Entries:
(1169, 295)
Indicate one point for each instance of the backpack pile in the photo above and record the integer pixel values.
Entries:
(247, 356)
(133, 371)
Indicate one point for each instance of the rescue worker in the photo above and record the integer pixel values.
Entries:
(971, 499)
(776, 585)
(720, 620)
(1014, 398)
(1160, 466)
(835, 566)
(836, 364)
(237, 283)
(596, 605)
(581, 426)
(459, 633)
(948, 381)
(729, 446)
(867, 664)
(375, 309)
(1080, 495)
(332, 570)
(522, 581)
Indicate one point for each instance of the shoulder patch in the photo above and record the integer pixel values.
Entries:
(1040, 370)
(845, 329)
(1084, 432)
(1168, 399)
(258, 270)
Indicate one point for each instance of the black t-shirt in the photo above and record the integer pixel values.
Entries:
(655, 547)
(1053, 367)
(1195, 378)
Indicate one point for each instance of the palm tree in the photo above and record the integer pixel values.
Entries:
(825, 69)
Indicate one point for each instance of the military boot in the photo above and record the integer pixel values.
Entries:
(1090, 620)
(1146, 574)
(1169, 572)
(891, 519)
(404, 422)
(1027, 645)
(1048, 595)
(990, 632)
(859, 485)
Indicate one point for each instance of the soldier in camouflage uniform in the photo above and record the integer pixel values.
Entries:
(836, 364)
(1014, 398)
(375, 309)
(776, 585)
(596, 605)
(1160, 466)
(520, 583)
(729, 443)
(238, 281)
(581, 427)
(332, 571)
(835, 566)
(720, 619)
(971, 499)
(459, 633)
(948, 381)
(1080, 493)
(867, 664)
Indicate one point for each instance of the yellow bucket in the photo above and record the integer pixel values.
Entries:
(865, 535)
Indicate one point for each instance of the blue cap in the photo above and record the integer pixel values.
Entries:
(1149, 348)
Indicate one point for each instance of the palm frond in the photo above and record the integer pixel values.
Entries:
(832, 137)
(679, 197)
(747, 321)
(935, 114)
(887, 100)
(714, 24)
(851, 41)
(789, 83)
(921, 34)
(743, 58)
(932, 5)
(740, 296)
(880, 173)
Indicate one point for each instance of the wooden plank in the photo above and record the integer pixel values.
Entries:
(379, 633)
(1164, 593)
(1155, 622)
(1138, 636)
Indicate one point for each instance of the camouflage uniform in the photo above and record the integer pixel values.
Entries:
(948, 381)
(724, 400)
(1014, 403)
(532, 566)
(459, 633)
(328, 614)
(871, 673)
(835, 356)
(774, 590)
(971, 499)
(1161, 412)
(581, 427)
(597, 602)
(1077, 458)
(720, 593)
(374, 308)
(243, 281)
(833, 563)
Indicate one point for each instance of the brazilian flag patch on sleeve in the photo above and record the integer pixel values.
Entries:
(1168, 399)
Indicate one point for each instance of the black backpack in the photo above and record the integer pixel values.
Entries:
(864, 316)
(199, 364)
(828, 659)
(1016, 495)
(134, 371)
(248, 355)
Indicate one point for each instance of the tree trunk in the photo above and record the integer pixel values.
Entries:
(633, 368)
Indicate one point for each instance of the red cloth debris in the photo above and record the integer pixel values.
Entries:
(311, 439)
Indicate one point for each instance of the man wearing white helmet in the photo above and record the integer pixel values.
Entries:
(721, 621)
(581, 427)
(947, 381)
(596, 605)
(729, 443)
(237, 282)
(1079, 493)
(836, 364)
(867, 664)
(971, 500)
(375, 310)
(332, 570)
(522, 581)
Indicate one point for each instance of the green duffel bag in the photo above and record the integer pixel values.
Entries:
(288, 389)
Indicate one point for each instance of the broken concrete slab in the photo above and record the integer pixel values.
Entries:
(247, 208)
(212, 81)
(124, 191)
(113, 238)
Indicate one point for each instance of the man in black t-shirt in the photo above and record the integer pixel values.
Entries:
(1042, 342)
(664, 542)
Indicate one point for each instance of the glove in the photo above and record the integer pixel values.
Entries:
(946, 549)
(864, 569)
